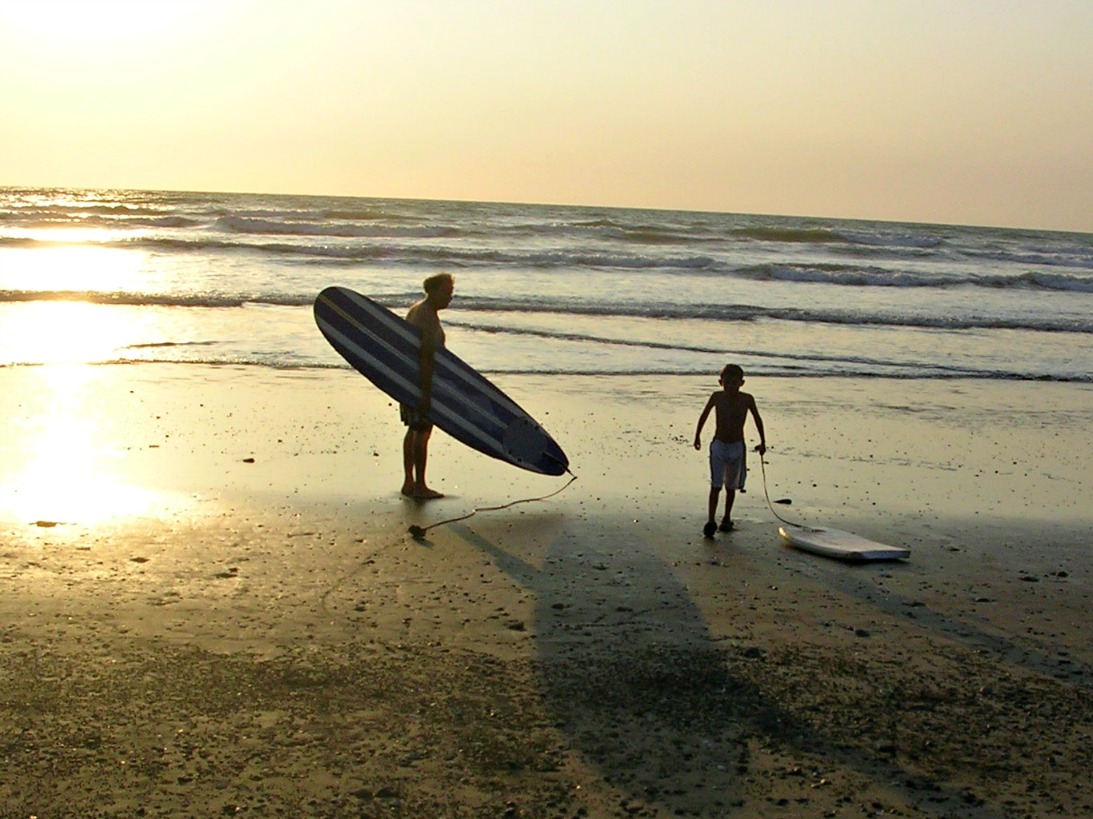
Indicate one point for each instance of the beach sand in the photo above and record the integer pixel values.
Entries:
(210, 604)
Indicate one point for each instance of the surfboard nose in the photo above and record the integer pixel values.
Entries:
(528, 444)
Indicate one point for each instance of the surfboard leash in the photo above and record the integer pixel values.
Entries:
(784, 501)
(418, 532)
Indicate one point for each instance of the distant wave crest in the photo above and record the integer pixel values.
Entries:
(470, 304)
(217, 300)
(280, 227)
(864, 276)
(803, 235)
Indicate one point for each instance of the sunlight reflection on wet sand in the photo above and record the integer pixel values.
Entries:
(60, 457)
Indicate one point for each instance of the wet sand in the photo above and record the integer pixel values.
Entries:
(210, 604)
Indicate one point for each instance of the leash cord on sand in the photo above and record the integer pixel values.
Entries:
(419, 531)
(369, 561)
(766, 492)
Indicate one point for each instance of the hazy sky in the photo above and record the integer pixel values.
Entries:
(962, 111)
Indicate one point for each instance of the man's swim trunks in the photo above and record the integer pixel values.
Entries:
(412, 419)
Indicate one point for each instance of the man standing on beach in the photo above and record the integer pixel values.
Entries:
(727, 447)
(415, 446)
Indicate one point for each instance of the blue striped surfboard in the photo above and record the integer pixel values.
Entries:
(385, 349)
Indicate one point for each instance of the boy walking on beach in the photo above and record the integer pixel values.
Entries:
(415, 446)
(727, 465)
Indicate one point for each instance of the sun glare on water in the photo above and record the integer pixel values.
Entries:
(63, 332)
(76, 264)
(71, 313)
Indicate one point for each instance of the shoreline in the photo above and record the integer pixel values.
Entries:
(263, 637)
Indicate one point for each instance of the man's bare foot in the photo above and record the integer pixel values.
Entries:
(425, 493)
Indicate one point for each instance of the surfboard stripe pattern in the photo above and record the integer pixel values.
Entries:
(385, 349)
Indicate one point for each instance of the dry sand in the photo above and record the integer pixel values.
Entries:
(210, 605)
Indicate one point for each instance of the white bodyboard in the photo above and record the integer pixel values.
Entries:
(839, 545)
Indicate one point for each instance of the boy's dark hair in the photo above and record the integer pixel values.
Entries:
(434, 282)
(732, 372)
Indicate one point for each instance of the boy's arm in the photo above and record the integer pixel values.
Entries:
(762, 448)
(702, 421)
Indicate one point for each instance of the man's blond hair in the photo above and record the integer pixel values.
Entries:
(434, 283)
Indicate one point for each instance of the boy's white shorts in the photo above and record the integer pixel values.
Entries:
(728, 464)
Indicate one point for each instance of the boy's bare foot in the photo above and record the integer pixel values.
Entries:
(408, 490)
(425, 493)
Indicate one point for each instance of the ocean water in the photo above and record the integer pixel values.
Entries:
(133, 276)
